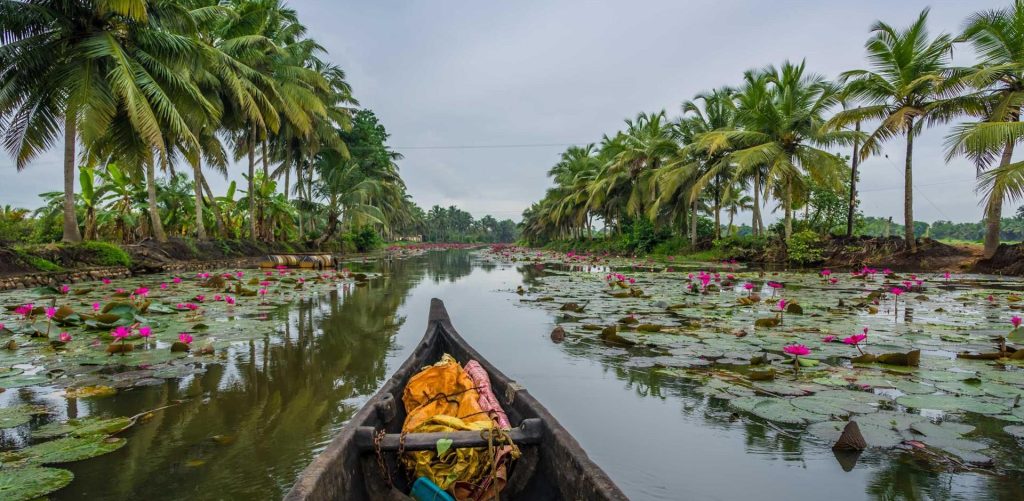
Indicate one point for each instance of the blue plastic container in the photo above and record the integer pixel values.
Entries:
(425, 490)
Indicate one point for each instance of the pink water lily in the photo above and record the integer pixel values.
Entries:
(749, 286)
(185, 337)
(163, 286)
(25, 310)
(200, 298)
(1015, 321)
(240, 274)
(106, 281)
(230, 300)
(826, 272)
(65, 337)
(218, 297)
(855, 339)
(121, 332)
(797, 350)
(265, 283)
(946, 275)
(828, 339)
(142, 291)
(898, 291)
(145, 331)
(50, 312)
(782, 304)
(176, 280)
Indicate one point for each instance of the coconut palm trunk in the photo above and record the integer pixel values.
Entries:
(855, 161)
(788, 202)
(908, 190)
(264, 227)
(994, 209)
(718, 208)
(197, 174)
(71, 232)
(755, 217)
(252, 184)
(693, 224)
(156, 225)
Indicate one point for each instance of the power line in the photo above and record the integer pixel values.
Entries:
(919, 192)
(488, 146)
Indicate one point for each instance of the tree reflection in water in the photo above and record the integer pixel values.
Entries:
(246, 426)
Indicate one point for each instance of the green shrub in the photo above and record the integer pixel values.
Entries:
(804, 248)
(741, 247)
(106, 254)
(37, 262)
(366, 238)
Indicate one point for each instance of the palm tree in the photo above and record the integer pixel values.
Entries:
(694, 169)
(55, 73)
(998, 38)
(902, 90)
(736, 200)
(782, 131)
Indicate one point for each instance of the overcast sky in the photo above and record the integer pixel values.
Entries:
(443, 74)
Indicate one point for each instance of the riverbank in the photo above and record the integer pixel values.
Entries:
(59, 263)
(837, 252)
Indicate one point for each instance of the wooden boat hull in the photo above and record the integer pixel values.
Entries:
(556, 468)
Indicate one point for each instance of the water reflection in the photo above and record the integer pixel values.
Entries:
(244, 427)
(247, 425)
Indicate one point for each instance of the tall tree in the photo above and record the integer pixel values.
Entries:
(997, 37)
(783, 131)
(901, 90)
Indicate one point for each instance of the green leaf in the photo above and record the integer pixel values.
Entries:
(1016, 335)
(64, 450)
(950, 403)
(92, 425)
(443, 444)
(11, 417)
(22, 484)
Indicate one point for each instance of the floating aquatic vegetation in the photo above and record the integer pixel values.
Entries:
(807, 349)
(21, 484)
(97, 330)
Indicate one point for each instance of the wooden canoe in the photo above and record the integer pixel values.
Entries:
(553, 465)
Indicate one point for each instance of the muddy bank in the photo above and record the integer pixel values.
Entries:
(1008, 260)
(931, 255)
(875, 252)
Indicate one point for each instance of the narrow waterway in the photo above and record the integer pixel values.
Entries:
(247, 425)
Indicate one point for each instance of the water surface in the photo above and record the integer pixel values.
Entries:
(246, 426)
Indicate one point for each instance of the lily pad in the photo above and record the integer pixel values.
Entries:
(22, 484)
(11, 417)
(950, 403)
(92, 425)
(64, 450)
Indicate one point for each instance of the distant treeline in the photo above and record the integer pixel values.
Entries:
(456, 225)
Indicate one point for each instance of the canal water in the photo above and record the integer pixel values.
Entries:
(248, 425)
